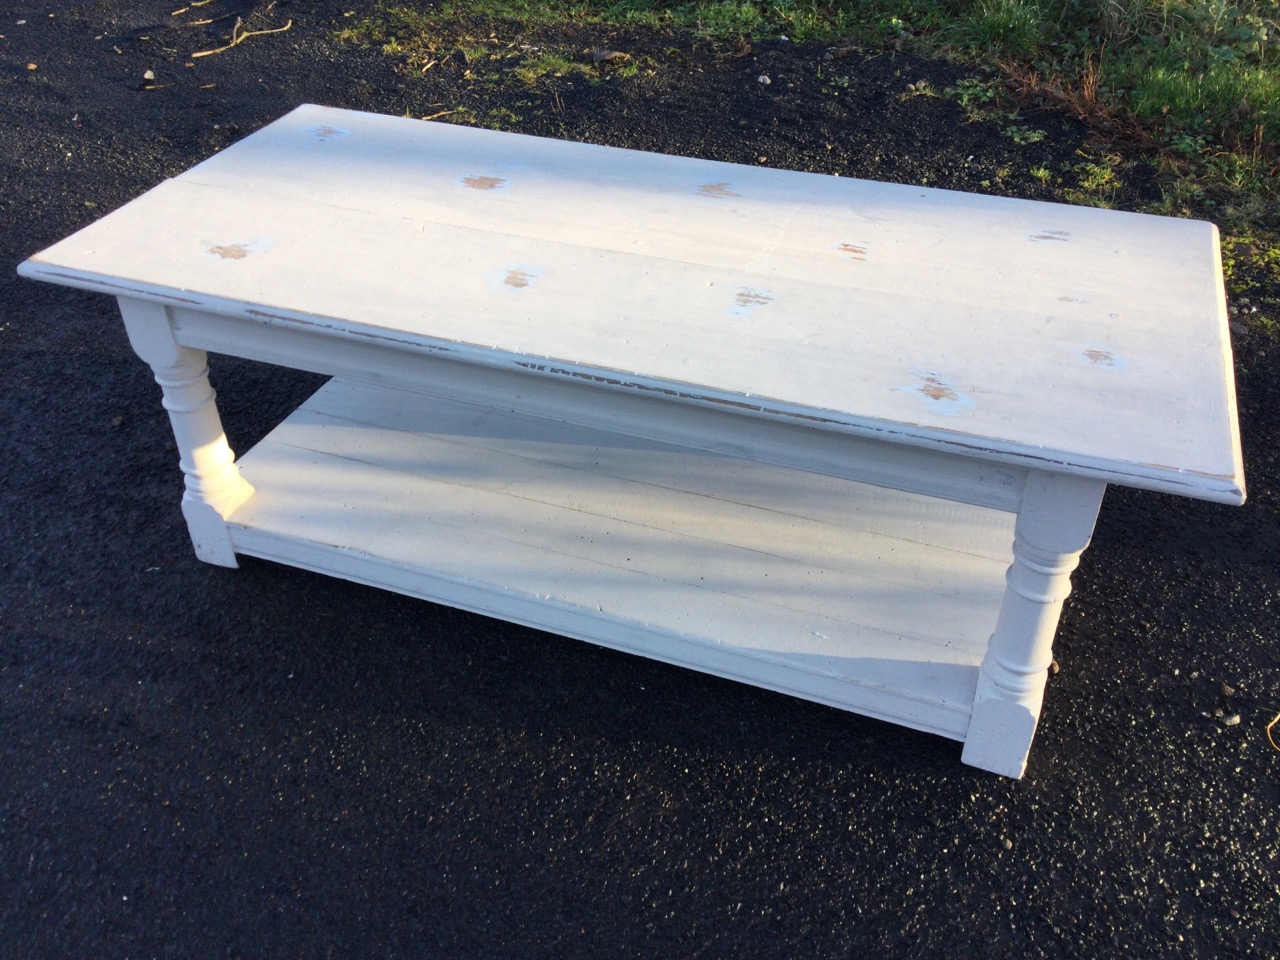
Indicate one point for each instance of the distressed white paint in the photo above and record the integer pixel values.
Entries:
(662, 404)
(214, 487)
(945, 318)
(1054, 526)
(682, 554)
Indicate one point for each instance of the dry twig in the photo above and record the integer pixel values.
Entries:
(238, 38)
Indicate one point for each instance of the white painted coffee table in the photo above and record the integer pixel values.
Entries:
(785, 428)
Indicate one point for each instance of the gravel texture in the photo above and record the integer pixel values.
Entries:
(200, 762)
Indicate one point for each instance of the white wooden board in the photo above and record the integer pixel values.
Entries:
(1059, 337)
(828, 589)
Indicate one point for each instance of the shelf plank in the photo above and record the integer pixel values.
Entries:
(827, 589)
(514, 449)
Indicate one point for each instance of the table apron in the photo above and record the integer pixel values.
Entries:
(721, 429)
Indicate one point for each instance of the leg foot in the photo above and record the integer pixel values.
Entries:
(1054, 525)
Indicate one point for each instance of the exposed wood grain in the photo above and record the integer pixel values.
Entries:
(537, 456)
(539, 522)
(1084, 340)
(769, 425)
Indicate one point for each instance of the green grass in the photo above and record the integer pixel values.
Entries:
(1195, 82)
(1198, 83)
(428, 35)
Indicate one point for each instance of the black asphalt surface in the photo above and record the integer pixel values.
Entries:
(202, 762)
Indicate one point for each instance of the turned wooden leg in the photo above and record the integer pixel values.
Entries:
(1054, 525)
(214, 487)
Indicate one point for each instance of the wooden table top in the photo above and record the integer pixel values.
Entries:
(1065, 338)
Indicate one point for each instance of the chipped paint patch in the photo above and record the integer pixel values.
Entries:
(855, 251)
(106, 285)
(747, 298)
(326, 132)
(751, 298)
(1059, 236)
(1106, 359)
(935, 389)
(303, 321)
(235, 251)
(484, 183)
(941, 395)
(717, 191)
(515, 277)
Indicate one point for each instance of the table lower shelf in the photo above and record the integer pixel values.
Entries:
(863, 598)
